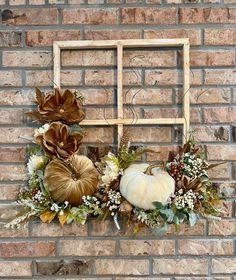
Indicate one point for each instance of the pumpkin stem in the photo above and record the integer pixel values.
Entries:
(74, 173)
(148, 171)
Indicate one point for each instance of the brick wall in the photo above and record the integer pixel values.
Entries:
(97, 250)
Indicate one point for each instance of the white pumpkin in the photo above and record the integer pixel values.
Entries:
(142, 189)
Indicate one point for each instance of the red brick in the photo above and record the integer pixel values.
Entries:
(209, 133)
(9, 192)
(148, 16)
(170, 77)
(36, 2)
(12, 154)
(10, 39)
(194, 35)
(108, 228)
(180, 266)
(10, 78)
(220, 115)
(71, 77)
(12, 233)
(15, 268)
(87, 247)
(40, 16)
(219, 172)
(150, 134)
(99, 113)
(90, 16)
(121, 266)
(205, 247)
(220, 37)
(210, 95)
(223, 227)
(161, 113)
(76, 2)
(8, 212)
(27, 59)
(98, 135)
(54, 229)
(112, 34)
(17, 2)
(220, 76)
(212, 58)
(152, 2)
(224, 265)
(88, 58)
(149, 59)
(100, 77)
(63, 267)
(206, 15)
(150, 96)
(146, 247)
(42, 38)
(12, 172)
(108, 77)
(27, 249)
(161, 153)
(16, 134)
(221, 152)
(36, 78)
(97, 96)
(195, 115)
(10, 97)
(185, 230)
(11, 116)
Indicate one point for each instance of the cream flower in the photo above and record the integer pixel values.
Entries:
(34, 163)
(41, 129)
(111, 170)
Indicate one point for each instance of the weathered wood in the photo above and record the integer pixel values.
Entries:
(136, 122)
(186, 92)
(120, 90)
(145, 43)
(56, 65)
(120, 45)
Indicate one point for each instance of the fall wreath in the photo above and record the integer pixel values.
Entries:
(64, 185)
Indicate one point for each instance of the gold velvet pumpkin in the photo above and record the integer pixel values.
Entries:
(69, 181)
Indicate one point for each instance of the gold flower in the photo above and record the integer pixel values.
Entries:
(57, 106)
(58, 141)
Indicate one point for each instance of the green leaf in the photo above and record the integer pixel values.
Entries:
(179, 217)
(168, 214)
(158, 205)
(193, 218)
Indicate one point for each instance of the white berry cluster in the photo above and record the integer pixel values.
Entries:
(114, 201)
(185, 200)
(90, 201)
(194, 166)
(38, 196)
(141, 215)
(55, 207)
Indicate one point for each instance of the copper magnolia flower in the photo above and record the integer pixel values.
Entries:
(58, 141)
(57, 106)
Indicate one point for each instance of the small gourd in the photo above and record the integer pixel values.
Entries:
(69, 181)
(143, 184)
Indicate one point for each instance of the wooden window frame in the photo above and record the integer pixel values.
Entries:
(119, 45)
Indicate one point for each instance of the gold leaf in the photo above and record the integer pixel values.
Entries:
(62, 218)
(47, 216)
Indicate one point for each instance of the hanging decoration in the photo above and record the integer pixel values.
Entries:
(64, 185)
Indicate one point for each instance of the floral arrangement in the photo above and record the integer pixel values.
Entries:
(65, 185)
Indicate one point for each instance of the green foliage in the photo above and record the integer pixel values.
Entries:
(33, 150)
